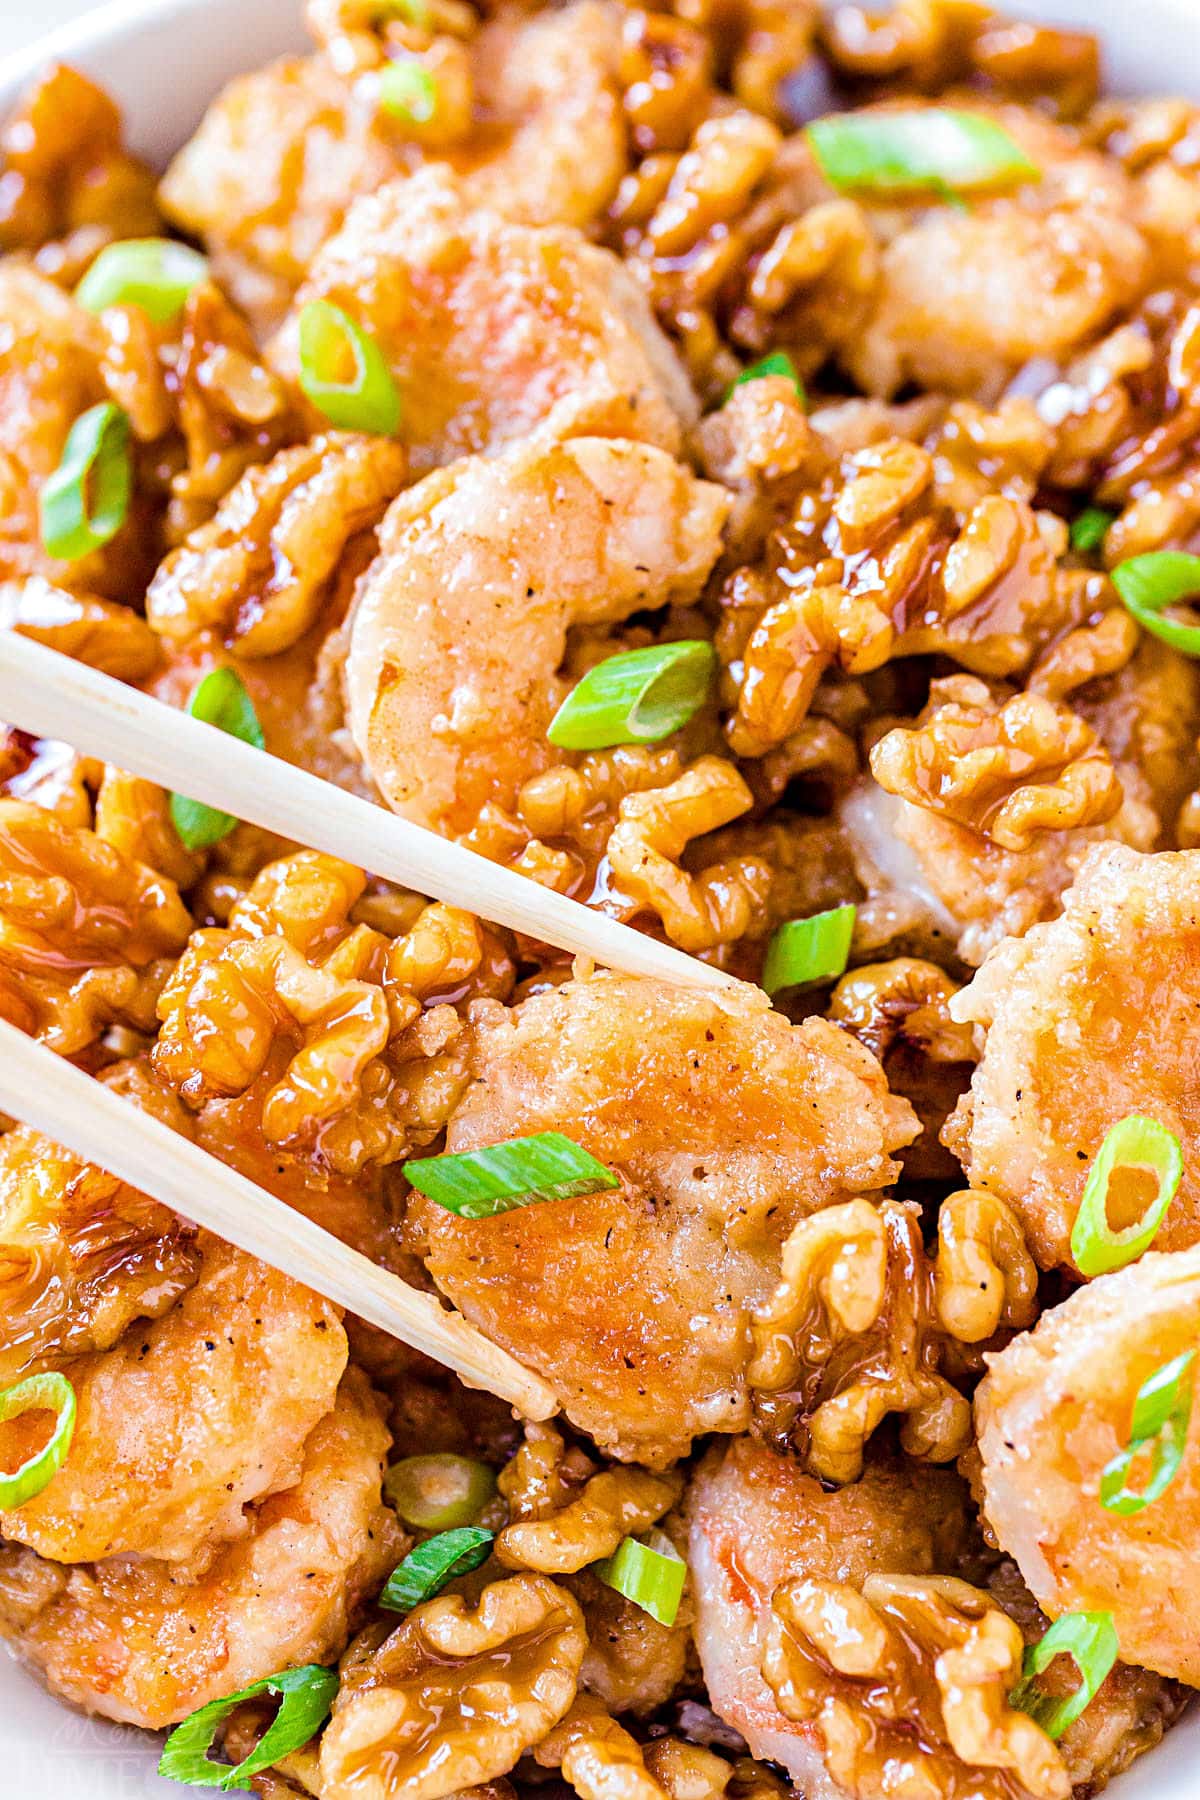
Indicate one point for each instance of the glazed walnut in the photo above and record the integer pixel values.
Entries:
(81, 1256)
(101, 633)
(652, 831)
(1007, 769)
(863, 1324)
(353, 1054)
(259, 573)
(64, 169)
(905, 997)
(616, 1504)
(87, 935)
(597, 1756)
(929, 1652)
(456, 1694)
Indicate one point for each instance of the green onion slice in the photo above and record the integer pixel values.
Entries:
(777, 363)
(478, 1184)
(220, 699)
(38, 1393)
(408, 91)
(84, 503)
(156, 274)
(639, 697)
(439, 1491)
(306, 1695)
(1090, 528)
(1162, 578)
(935, 148)
(426, 1570)
(1134, 1143)
(343, 372)
(1161, 1414)
(1090, 1640)
(806, 951)
(651, 1574)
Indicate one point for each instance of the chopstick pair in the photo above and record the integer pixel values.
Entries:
(51, 696)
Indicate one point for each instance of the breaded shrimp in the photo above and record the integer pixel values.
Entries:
(132, 1640)
(1052, 1411)
(756, 1520)
(492, 329)
(1087, 1019)
(966, 297)
(460, 625)
(188, 1420)
(284, 151)
(726, 1125)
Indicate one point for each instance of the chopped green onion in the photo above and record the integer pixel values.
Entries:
(1162, 578)
(38, 1393)
(220, 699)
(478, 1184)
(438, 1491)
(1090, 528)
(777, 363)
(1090, 1640)
(426, 1570)
(343, 372)
(1134, 1143)
(1161, 1413)
(408, 91)
(639, 697)
(306, 1695)
(935, 148)
(651, 1575)
(806, 951)
(156, 274)
(84, 502)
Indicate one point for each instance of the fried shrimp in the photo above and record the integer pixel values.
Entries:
(1053, 1412)
(493, 329)
(725, 1124)
(756, 1519)
(460, 626)
(134, 1640)
(1087, 1019)
(188, 1420)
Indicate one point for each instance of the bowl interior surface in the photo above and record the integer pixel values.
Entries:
(164, 60)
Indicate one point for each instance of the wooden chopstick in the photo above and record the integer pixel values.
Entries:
(101, 1127)
(50, 695)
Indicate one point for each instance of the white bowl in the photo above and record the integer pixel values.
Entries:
(163, 60)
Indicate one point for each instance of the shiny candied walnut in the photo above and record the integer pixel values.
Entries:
(101, 633)
(81, 1256)
(343, 1033)
(739, 247)
(1007, 769)
(456, 1694)
(597, 1756)
(903, 998)
(864, 1323)
(64, 168)
(869, 563)
(690, 1771)
(653, 830)
(615, 1504)
(134, 816)
(666, 79)
(87, 935)
(260, 571)
(917, 1668)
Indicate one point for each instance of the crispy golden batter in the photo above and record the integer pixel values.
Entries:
(1052, 1411)
(1086, 1020)
(188, 1420)
(726, 1125)
(494, 330)
(133, 1640)
(460, 626)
